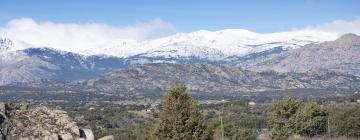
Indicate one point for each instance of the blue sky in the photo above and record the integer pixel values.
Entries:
(186, 15)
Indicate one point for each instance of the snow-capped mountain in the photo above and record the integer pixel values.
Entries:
(79, 65)
(19, 67)
(23, 62)
(45, 63)
(204, 44)
(222, 43)
(341, 55)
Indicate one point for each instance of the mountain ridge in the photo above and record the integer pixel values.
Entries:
(340, 55)
(207, 80)
(228, 41)
(48, 63)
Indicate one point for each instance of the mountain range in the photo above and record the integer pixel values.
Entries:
(297, 51)
(205, 44)
(341, 55)
(214, 78)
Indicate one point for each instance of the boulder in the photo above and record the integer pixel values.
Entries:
(40, 122)
(87, 134)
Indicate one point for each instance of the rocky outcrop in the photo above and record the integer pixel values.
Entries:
(21, 121)
(86, 134)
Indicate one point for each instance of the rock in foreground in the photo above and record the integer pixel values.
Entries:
(21, 121)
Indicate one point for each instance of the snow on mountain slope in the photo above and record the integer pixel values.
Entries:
(186, 50)
(199, 46)
(225, 42)
(34, 64)
(23, 62)
(203, 44)
(17, 66)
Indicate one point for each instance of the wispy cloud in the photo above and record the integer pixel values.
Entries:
(338, 26)
(83, 36)
(71, 36)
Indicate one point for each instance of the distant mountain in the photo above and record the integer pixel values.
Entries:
(212, 45)
(203, 80)
(341, 55)
(34, 64)
(22, 62)
(73, 66)
(18, 67)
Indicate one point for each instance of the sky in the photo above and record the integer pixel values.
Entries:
(83, 22)
(186, 15)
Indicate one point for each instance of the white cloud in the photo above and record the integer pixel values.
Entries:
(339, 26)
(98, 38)
(71, 37)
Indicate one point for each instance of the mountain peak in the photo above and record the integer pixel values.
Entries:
(349, 38)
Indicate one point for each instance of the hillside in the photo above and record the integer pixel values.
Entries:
(207, 78)
(341, 55)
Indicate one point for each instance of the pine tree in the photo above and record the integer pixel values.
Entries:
(280, 116)
(311, 120)
(179, 118)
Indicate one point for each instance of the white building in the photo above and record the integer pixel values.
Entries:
(252, 103)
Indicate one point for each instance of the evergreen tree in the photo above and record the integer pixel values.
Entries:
(279, 118)
(179, 118)
(311, 120)
(345, 121)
